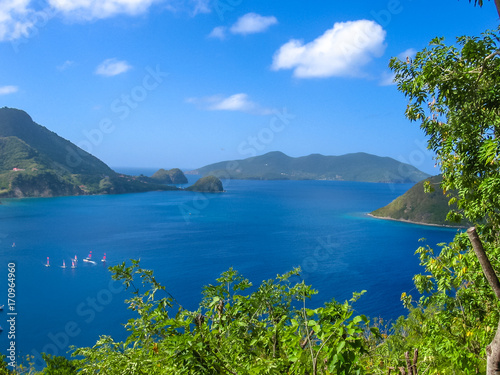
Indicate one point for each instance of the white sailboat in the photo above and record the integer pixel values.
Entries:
(48, 263)
(73, 263)
(104, 258)
(89, 258)
(64, 264)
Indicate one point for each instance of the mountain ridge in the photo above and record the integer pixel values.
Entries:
(276, 165)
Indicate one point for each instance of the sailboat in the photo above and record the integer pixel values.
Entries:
(89, 258)
(73, 264)
(76, 259)
(48, 263)
(104, 258)
(64, 264)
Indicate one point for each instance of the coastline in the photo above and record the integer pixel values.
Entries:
(418, 223)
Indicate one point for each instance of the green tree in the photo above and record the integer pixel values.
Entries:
(453, 92)
(57, 365)
(237, 329)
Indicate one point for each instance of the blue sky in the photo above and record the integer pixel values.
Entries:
(173, 83)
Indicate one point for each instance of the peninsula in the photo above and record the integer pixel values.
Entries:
(417, 206)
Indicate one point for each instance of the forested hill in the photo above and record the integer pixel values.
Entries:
(57, 151)
(36, 162)
(350, 167)
(417, 206)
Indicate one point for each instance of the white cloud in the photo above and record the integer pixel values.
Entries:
(218, 33)
(112, 67)
(23, 18)
(340, 51)
(252, 23)
(5, 90)
(238, 102)
(94, 9)
(16, 19)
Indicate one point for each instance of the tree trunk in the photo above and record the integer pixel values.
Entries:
(492, 350)
(493, 355)
(497, 3)
(488, 270)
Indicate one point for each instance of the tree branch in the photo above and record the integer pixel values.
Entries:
(488, 270)
(489, 57)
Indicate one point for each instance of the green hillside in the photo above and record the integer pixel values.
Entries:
(350, 167)
(17, 154)
(63, 154)
(35, 162)
(418, 206)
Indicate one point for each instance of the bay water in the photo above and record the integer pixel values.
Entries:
(260, 228)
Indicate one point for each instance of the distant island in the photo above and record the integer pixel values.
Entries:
(172, 176)
(208, 184)
(417, 206)
(350, 167)
(35, 162)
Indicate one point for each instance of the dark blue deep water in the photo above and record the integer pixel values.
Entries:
(261, 228)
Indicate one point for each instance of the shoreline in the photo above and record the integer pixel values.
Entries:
(417, 223)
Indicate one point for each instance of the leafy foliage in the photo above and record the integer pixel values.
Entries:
(454, 94)
(234, 331)
(57, 365)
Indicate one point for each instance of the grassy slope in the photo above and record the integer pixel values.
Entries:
(419, 207)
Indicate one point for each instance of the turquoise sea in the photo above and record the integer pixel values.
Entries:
(261, 228)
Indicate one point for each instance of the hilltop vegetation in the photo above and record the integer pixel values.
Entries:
(351, 167)
(417, 206)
